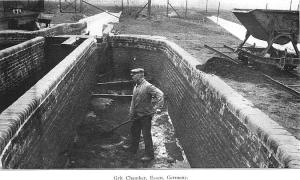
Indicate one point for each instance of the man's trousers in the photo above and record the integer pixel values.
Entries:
(142, 124)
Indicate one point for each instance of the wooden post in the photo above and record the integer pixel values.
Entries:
(60, 6)
(291, 5)
(167, 8)
(185, 8)
(206, 6)
(218, 12)
(149, 8)
(266, 6)
(80, 5)
(122, 5)
(298, 7)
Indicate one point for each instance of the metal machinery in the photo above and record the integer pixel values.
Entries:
(273, 26)
(20, 14)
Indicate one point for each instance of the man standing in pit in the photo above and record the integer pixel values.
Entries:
(146, 100)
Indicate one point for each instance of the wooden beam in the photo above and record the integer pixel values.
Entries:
(117, 85)
(113, 96)
(70, 41)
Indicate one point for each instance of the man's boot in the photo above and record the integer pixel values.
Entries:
(147, 157)
(129, 149)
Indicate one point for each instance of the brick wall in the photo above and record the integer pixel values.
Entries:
(18, 36)
(39, 126)
(216, 126)
(18, 64)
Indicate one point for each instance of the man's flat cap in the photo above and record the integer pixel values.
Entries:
(137, 70)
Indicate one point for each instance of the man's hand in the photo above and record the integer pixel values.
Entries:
(130, 116)
(158, 111)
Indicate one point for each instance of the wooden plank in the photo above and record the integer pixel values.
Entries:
(71, 41)
(113, 96)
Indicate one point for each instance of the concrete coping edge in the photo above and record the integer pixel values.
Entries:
(45, 30)
(20, 47)
(15, 116)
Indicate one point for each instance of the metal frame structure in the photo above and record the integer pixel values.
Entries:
(20, 14)
(70, 6)
(273, 26)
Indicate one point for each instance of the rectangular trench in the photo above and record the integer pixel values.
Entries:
(211, 121)
(95, 146)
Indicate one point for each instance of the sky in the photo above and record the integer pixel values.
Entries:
(213, 4)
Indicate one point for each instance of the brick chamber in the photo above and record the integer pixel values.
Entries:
(216, 126)
(38, 126)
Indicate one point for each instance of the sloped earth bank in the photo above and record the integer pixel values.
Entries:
(95, 148)
(191, 34)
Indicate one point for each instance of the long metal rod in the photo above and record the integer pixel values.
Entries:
(283, 86)
(100, 9)
(222, 54)
(290, 90)
(141, 10)
(120, 125)
(174, 9)
(228, 47)
(112, 95)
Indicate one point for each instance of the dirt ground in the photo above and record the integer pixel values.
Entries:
(195, 31)
(95, 146)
